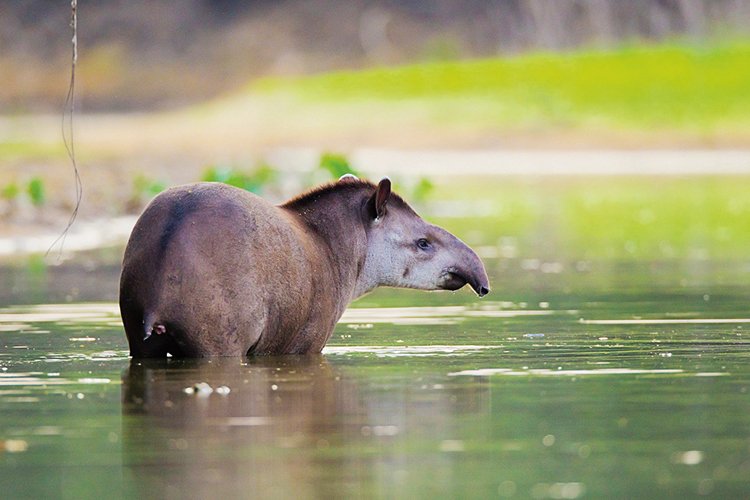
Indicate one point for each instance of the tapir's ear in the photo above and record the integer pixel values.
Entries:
(377, 203)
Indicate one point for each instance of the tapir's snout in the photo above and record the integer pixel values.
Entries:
(456, 278)
(481, 290)
(471, 271)
(479, 282)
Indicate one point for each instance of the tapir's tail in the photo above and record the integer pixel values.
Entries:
(152, 325)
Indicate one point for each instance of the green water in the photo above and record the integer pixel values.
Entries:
(595, 378)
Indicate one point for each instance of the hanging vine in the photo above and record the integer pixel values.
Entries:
(68, 127)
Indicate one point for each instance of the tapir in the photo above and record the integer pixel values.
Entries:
(213, 270)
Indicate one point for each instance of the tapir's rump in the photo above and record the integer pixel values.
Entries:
(212, 270)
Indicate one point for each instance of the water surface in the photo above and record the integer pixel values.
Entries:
(597, 368)
(599, 395)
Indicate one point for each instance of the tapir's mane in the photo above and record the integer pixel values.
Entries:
(347, 187)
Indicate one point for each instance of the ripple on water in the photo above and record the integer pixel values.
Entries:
(20, 382)
(29, 379)
(486, 372)
(96, 356)
(439, 315)
(23, 317)
(666, 321)
(412, 351)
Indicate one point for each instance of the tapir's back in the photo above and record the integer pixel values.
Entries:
(202, 270)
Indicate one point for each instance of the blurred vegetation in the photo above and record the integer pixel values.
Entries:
(255, 180)
(663, 218)
(671, 85)
(11, 150)
(144, 188)
(10, 192)
(422, 189)
(336, 165)
(624, 219)
(554, 219)
(267, 179)
(36, 191)
(14, 195)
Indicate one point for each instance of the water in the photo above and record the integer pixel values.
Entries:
(587, 394)
(595, 377)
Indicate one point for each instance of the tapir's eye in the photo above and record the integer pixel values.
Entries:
(423, 244)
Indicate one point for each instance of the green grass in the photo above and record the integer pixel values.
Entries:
(672, 85)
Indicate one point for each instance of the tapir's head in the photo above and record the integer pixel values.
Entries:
(404, 250)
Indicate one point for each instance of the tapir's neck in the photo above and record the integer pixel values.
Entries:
(334, 223)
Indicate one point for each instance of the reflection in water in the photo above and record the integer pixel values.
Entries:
(281, 426)
(235, 440)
